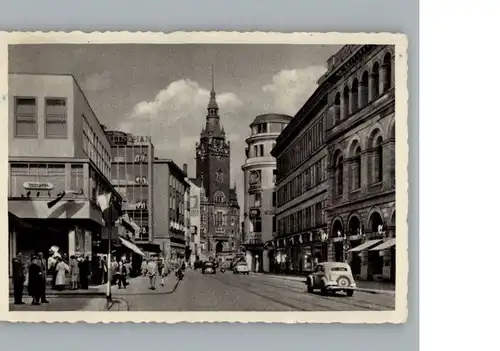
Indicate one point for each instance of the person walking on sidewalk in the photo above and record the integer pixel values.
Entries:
(161, 271)
(61, 269)
(122, 275)
(144, 267)
(18, 278)
(152, 271)
(44, 276)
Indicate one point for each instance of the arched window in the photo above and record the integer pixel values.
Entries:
(363, 90)
(345, 103)
(336, 229)
(387, 72)
(354, 96)
(356, 168)
(378, 161)
(336, 109)
(219, 197)
(354, 226)
(339, 175)
(375, 221)
(375, 86)
(392, 164)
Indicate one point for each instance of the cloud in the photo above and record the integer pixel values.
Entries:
(97, 81)
(290, 89)
(175, 116)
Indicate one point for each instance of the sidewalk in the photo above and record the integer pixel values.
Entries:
(366, 286)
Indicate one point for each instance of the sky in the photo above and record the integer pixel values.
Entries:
(163, 90)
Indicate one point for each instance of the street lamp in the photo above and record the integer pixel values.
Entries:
(345, 244)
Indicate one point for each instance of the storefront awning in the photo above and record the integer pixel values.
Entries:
(385, 245)
(131, 246)
(365, 246)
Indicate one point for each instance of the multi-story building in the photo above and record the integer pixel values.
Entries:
(220, 211)
(59, 161)
(361, 147)
(195, 196)
(132, 174)
(301, 187)
(170, 205)
(259, 173)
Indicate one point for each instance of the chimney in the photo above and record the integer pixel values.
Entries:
(185, 168)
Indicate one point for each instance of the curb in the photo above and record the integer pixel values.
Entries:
(367, 290)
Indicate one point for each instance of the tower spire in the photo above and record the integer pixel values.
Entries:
(213, 79)
(212, 104)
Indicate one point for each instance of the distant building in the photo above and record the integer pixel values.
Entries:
(260, 197)
(220, 211)
(170, 221)
(195, 197)
(132, 174)
(59, 161)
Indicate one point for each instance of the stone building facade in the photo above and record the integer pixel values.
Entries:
(361, 159)
(302, 187)
(259, 172)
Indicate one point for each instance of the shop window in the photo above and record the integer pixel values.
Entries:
(56, 119)
(25, 117)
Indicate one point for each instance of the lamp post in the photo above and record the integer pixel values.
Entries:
(345, 244)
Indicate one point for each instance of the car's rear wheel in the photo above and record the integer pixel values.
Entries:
(349, 293)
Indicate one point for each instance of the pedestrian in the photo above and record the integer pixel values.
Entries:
(74, 272)
(61, 269)
(114, 271)
(144, 267)
(161, 271)
(84, 269)
(104, 270)
(52, 262)
(152, 271)
(44, 276)
(35, 280)
(122, 275)
(18, 278)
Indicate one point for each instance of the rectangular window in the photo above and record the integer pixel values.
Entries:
(76, 177)
(274, 198)
(261, 150)
(56, 121)
(25, 117)
(255, 151)
(274, 224)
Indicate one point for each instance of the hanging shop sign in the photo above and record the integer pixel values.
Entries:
(38, 186)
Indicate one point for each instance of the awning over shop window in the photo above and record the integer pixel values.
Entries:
(385, 245)
(131, 246)
(365, 246)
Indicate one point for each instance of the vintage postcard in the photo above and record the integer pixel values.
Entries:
(204, 177)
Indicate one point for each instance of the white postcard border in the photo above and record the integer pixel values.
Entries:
(399, 315)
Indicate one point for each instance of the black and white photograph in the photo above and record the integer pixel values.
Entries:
(227, 177)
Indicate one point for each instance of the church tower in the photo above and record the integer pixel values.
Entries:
(213, 165)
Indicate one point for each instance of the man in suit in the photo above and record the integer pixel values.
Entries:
(18, 278)
(44, 276)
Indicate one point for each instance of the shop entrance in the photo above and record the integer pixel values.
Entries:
(40, 236)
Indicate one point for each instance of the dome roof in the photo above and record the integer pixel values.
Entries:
(271, 117)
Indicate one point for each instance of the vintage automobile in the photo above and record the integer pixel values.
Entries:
(208, 267)
(331, 277)
(241, 268)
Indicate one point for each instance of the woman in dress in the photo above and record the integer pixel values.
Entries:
(61, 269)
(74, 271)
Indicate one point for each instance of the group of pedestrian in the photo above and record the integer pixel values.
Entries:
(120, 271)
(80, 271)
(32, 274)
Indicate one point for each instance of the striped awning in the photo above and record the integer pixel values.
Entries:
(385, 245)
(366, 245)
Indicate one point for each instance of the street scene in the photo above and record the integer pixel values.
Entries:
(202, 177)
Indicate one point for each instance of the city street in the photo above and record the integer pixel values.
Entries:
(221, 292)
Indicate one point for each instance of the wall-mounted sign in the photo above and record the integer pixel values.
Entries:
(141, 181)
(38, 186)
(141, 158)
(139, 139)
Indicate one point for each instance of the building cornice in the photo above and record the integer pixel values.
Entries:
(262, 137)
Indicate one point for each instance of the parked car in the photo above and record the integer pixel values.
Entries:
(331, 277)
(241, 268)
(208, 267)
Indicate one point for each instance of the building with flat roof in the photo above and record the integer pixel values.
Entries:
(59, 161)
(170, 202)
(259, 171)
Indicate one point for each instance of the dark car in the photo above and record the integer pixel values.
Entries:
(208, 267)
